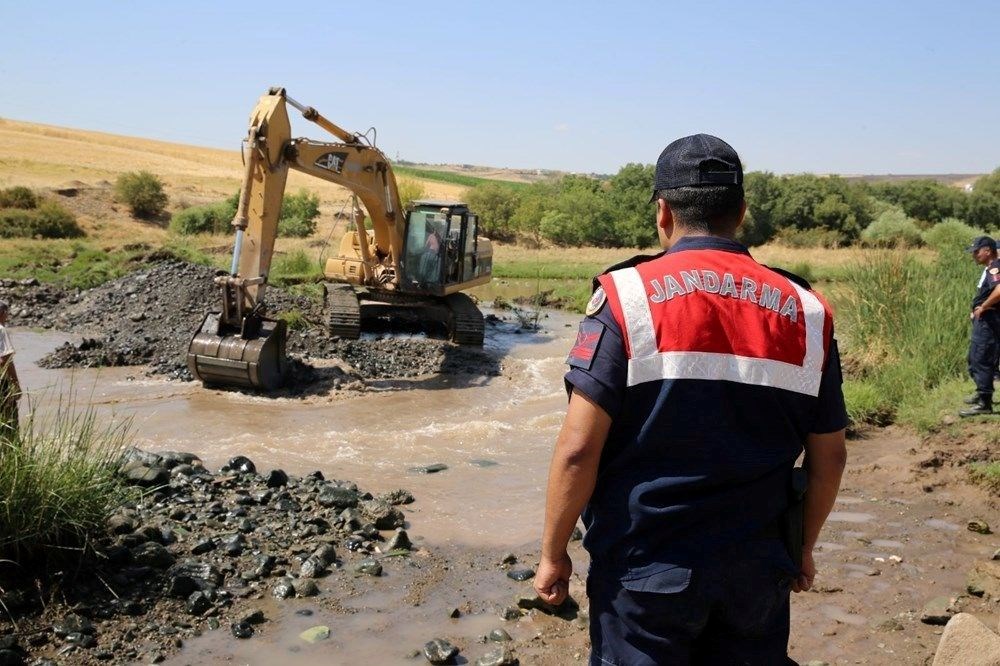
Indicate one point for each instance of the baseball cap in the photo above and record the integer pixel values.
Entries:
(981, 242)
(697, 160)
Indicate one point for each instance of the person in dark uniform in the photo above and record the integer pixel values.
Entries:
(984, 347)
(697, 379)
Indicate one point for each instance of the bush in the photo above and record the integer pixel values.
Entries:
(892, 228)
(298, 214)
(18, 197)
(58, 483)
(495, 204)
(294, 267)
(49, 220)
(409, 191)
(951, 235)
(143, 192)
(211, 219)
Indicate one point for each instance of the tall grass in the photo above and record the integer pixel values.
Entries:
(907, 322)
(58, 483)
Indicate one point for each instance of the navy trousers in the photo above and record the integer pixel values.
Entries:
(732, 612)
(984, 350)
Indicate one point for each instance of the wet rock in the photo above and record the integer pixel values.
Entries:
(203, 546)
(171, 459)
(510, 613)
(306, 588)
(979, 526)
(152, 554)
(384, 515)
(508, 559)
(190, 575)
(283, 590)
(337, 498)
(521, 575)
(369, 567)
(397, 497)
(482, 463)
(499, 636)
(399, 541)
(241, 464)
(122, 523)
(85, 641)
(937, 611)
(147, 477)
(315, 634)
(531, 600)
(72, 624)
(967, 642)
(326, 554)
(501, 656)
(276, 478)
(304, 612)
(312, 568)
(241, 629)
(233, 545)
(455, 613)
(440, 651)
(253, 616)
(429, 469)
(197, 603)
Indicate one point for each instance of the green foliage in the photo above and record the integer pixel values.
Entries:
(295, 320)
(410, 191)
(924, 200)
(18, 197)
(866, 404)
(793, 237)
(892, 228)
(294, 267)
(143, 192)
(983, 209)
(989, 184)
(451, 177)
(211, 219)
(48, 220)
(496, 206)
(950, 236)
(634, 217)
(58, 484)
(298, 214)
(986, 475)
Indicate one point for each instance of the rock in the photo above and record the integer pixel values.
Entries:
(979, 526)
(152, 554)
(197, 603)
(984, 580)
(396, 497)
(440, 651)
(369, 567)
(326, 554)
(283, 590)
(233, 545)
(122, 523)
(521, 575)
(203, 546)
(147, 477)
(241, 464)
(276, 478)
(996, 554)
(510, 613)
(254, 616)
(306, 588)
(531, 600)
(312, 568)
(191, 575)
(501, 656)
(399, 541)
(499, 636)
(315, 634)
(242, 629)
(384, 515)
(72, 624)
(337, 498)
(937, 611)
(967, 642)
(508, 559)
(455, 613)
(430, 469)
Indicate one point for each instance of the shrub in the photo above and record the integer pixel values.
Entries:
(210, 219)
(18, 197)
(294, 267)
(143, 192)
(49, 220)
(295, 227)
(298, 214)
(951, 235)
(892, 228)
(410, 191)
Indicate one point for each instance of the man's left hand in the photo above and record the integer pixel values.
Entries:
(807, 575)
(552, 579)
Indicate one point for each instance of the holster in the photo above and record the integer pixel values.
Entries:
(791, 521)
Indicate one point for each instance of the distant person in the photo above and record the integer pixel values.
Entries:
(984, 347)
(10, 387)
(697, 378)
(430, 260)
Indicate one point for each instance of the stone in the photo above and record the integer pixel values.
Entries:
(72, 624)
(984, 580)
(369, 567)
(429, 469)
(530, 600)
(508, 559)
(197, 603)
(283, 590)
(979, 526)
(337, 498)
(501, 656)
(996, 554)
(147, 477)
(253, 616)
(152, 554)
(122, 523)
(276, 478)
(967, 642)
(440, 651)
(521, 575)
(306, 588)
(312, 568)
(315, 634)
(510, 613)
(399, 541)
(384, 515)
(326, 554)
(937, 611)
(233, 545)
(189, 575)
(242, 629)
(241, 464)
(203, 546)
(397, 497)
(499, 636)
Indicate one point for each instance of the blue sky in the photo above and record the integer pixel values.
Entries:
(839, 87)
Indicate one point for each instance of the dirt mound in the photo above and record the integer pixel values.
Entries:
(149, 316)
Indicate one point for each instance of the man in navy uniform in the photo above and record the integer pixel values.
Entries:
(984, 347)
(697, 379)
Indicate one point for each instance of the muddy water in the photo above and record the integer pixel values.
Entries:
(493, 433)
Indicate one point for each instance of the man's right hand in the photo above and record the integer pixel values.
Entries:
(808, 574)
(552, 579)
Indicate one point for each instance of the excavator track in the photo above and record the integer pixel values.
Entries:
(343, 311)
(466, 320)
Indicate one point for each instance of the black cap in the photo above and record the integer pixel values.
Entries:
(981, 242)
(697, 160)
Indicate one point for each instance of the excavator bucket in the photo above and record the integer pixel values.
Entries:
(252, 358)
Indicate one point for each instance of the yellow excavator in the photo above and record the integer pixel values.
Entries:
(411, 265)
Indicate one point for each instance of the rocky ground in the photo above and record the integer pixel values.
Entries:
(148, 318)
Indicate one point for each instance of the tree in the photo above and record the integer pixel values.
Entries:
(143, 192)
(496, 205)
(634, 223)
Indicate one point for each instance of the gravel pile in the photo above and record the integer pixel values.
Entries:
(149, 316)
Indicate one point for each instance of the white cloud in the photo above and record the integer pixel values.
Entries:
(561, 127)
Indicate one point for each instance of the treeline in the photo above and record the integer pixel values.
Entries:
(801, 210)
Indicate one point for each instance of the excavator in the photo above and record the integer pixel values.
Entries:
(411, 265)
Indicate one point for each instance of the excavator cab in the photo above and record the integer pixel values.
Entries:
(441, 248)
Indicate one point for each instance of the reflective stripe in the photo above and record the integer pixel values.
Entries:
(635, 309)
(648, 364)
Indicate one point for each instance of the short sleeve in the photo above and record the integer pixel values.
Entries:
(597, 362)
(993, 274)
(6, 348)
(831, 413)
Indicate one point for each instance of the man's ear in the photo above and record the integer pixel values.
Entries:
(743, 214)
(664, 217)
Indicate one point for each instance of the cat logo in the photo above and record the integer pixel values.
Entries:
(332, 161)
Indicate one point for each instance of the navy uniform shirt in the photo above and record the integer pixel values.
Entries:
(990, 281)
(708, 470)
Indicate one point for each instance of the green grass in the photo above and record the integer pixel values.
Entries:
(294, 267)
(548, 270)
(452, 178)
(986, 475)
(295, 320)
(58, 483)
